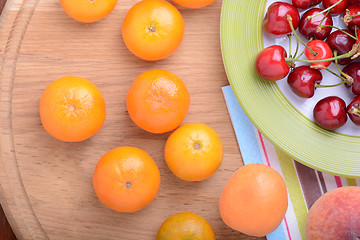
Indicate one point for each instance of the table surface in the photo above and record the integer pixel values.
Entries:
(6, 232)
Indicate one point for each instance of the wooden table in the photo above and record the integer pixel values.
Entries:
(6, 232)
(46, 187)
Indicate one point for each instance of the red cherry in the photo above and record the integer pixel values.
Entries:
(342, 43)
(353, 70)
(302, 81)
(305, 4)
(309, 28)
(275, 22)
(353, 110)
(353, 9)
(270, 63)
(339, 8)
(330, 113)
(323, 51)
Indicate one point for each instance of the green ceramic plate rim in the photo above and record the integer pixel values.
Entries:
(265, 105)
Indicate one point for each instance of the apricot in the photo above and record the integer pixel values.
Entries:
(335, 215)
(255, 200)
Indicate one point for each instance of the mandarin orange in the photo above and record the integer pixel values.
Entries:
(72, 109)
(194, 3)
(185, 225)
(126, 179)
(158, 101)
(88, 11)
(193, 152)
(153, 29)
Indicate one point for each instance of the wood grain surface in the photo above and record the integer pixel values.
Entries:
(6, 233)
(45, 184)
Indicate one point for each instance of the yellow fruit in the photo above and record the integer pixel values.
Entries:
(194, 151)
(185, 225)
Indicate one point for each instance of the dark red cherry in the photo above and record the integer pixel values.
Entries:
(339, 8)
(354, 1)
(330, 112)
(353, 9)
(270, 63)
(302, 81)
(342, 43)
(275, 22)
(353, 110)
(308, 28)
(305, 4)
(353, 70)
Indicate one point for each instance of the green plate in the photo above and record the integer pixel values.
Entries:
(267, 107)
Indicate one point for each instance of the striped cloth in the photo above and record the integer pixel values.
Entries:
(304, 184)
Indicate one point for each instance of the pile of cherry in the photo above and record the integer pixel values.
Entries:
(327, 44)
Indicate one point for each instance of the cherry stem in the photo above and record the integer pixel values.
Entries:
(332, 85)
(357, 53)
(348, 78)
(327, 9)
(288, 17)
(352, 16)
(325, 86)
(348, 18)
(322, 20)
(333, 73)
(337, 75)
(302, 51)
(345, 55)
(297, 48)
(355, 110)
(297, 59)
(339, 30)
(289, 36)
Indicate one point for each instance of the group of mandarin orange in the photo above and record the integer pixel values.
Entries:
(126, 179)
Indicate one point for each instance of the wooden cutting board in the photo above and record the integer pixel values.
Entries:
(46, 189)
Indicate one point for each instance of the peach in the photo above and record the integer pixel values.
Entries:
(254, 200)
(335, 215)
